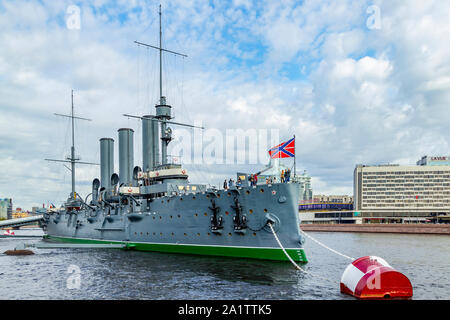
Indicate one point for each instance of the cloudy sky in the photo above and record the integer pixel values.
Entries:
(356, 82)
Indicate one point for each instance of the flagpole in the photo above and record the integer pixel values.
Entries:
(295, 170)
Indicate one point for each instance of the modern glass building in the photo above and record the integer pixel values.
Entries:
(305, 192)
(5, 208)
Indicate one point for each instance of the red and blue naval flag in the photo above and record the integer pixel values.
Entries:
(283, 150)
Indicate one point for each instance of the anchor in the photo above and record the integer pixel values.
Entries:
(216, 221)
(239, 220)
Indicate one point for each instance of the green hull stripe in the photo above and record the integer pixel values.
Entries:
(241, 252)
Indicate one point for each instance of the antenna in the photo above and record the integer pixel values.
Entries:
(163, 113)
(72, 158)
(159, 120)
(160, 49)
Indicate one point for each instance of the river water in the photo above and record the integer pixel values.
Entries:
(117, 274)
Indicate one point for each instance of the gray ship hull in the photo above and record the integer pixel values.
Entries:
(188, 223)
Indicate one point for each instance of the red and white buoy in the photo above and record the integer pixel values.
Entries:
(372, 277)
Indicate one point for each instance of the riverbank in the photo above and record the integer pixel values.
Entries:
(380, 228)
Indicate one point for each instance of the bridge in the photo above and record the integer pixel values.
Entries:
(12, 223)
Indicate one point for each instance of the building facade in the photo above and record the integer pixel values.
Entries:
(305, 190)
(434, 161)
(328, 209)
(319, 198)
(420, 192)
(5, 208)
(19, 213)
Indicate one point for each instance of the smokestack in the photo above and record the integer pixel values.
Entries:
(150, 143)
(106, 161)
(126, 155)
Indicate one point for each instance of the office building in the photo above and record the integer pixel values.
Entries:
(399, 193)
(5, 208)
(305, 189)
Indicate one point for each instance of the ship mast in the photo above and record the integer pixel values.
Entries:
(161, 50)
(72, 152)
(72, 159)
(163, 111)
(160, 56)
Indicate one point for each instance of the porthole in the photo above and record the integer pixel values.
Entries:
(265, 210)
(250, 211)
(247, 192)
(254, 234)
(229, 233)
(205, 214)
(181, 199)
(185, 234)
(193, 198)
(261, 190)
(196, 214)
(179, 216)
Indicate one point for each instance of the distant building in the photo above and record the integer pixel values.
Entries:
(19, 213)
(328, 209)
(333, 198)
(5, 208)
(394, 193)
(434, 161)
(306, 192)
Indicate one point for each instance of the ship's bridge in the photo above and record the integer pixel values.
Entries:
(166, 179)
(165, 171)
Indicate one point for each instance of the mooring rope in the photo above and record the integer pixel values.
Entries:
(290, 259)
(326, 247)
(282, 248)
